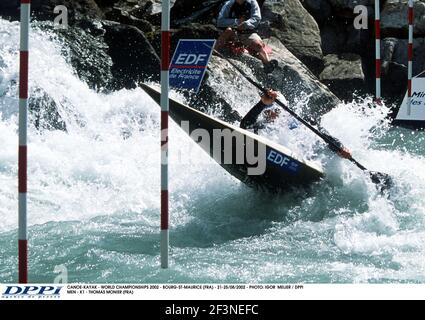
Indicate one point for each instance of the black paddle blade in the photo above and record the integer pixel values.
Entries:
(382, 179)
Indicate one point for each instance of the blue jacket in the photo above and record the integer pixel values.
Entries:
(227, 18)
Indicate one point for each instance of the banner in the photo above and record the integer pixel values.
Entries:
(189, 62)
(417, 102)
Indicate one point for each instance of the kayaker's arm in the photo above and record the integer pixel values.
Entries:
(251, 117)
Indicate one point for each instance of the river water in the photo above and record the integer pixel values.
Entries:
(94, 193)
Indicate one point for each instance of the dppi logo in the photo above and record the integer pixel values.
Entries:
(38, 292)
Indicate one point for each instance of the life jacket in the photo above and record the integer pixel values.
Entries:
(239, 11)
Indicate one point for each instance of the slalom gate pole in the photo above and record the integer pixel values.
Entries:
(22, 156)
(377, 51)
(165, 62)
(410, 58)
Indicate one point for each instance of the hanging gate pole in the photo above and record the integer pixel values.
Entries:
(410, 58)
(165, 61)
(22, 164)
(377, 51)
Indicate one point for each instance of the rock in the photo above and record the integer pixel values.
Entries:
(156, 6)
(90, 26)
(124, 17)
(330, 10)
(394, 19)
(357, 41)
(343, 73)
(394, 83)
(195, 31)
(333, 40)
(143, 9)
(296, 81)
(43, 112)
(212, 101)
(298, 31)
(77, 9)
(9, 9)
(187, 11)
(349, 4)
(345, 8)
(183, 8)
(8, 5)
(88, 53)
(394, 60)
(85, 49)
(106, 3)
(44, 9)
(138, 8)
(394, 66)
(189, 31)
(321, 10)
(291, 78)
(395, 50)
(134, 58)
(339, 36)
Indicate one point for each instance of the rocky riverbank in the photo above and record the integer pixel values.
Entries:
(321, 55)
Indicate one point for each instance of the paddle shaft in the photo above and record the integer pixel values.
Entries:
(291, 112)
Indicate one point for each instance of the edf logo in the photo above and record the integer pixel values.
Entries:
(189, 62)
(191, 59)
(12, 291)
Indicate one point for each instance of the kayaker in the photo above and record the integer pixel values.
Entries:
(265, 108)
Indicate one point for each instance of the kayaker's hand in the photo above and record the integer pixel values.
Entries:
(345, 153)
(269, 98)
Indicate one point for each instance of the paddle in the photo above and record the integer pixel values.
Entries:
(376, 177)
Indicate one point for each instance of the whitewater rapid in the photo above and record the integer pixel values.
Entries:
(94, 192)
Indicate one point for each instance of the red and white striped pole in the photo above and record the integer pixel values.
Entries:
(165, 62)
(22, 165)
(410, 58)
(378, 51)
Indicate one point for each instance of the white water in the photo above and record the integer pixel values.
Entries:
(94, 193)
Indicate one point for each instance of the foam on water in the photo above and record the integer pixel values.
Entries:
(94, 193)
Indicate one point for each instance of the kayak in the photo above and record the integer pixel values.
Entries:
(277, 168)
